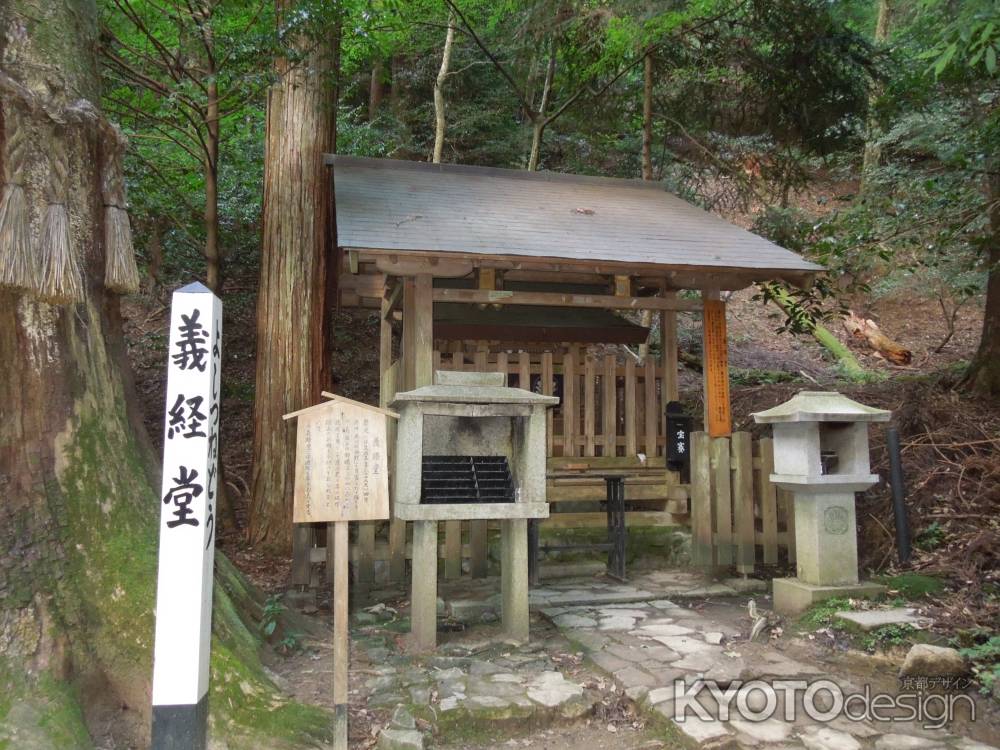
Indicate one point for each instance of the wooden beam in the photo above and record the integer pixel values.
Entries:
(441, 269)
(683, 276)
(363, 284)
(392, 295)
(554, 299)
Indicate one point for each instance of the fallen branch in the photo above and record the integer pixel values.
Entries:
(869, 331)
(845, 358)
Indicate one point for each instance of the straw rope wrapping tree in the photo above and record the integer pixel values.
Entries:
(61, 281)
(120, 272)
(18, 270)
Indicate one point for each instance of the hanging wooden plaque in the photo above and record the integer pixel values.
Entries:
(716, 364)
(341, 469)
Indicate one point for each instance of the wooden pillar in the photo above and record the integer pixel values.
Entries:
(668, 349)
(514, 578)
(341, 642)
(409, 377)
(397, 527)
(423, 592)
(479, 536)
(715, 359)
(423, 330)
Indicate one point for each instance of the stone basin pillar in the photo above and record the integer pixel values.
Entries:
(821, 457)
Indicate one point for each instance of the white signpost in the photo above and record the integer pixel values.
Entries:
(187, 521)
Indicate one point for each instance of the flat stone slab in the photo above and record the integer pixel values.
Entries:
(551, 689)
(907, 742)
(571, 620)
(828, 739)
(654, 629)
(770, 730)
(702, 731)
(617, 622)
(872, 619)
(683, 644)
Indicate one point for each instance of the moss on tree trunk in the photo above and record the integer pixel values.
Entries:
(79, 514)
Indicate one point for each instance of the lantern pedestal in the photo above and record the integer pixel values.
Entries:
(793, 596)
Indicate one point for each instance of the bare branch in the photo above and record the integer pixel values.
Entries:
(496, 63)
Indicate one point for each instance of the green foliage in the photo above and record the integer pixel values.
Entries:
(755, 376)
(824, 613)
(985, 659)
(271, 615)
(914, 585)
(930, 538)
(888, 636)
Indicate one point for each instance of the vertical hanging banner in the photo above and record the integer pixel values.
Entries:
(187, 521)
(716, 364)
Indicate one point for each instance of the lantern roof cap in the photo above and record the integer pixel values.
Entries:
(821, 406)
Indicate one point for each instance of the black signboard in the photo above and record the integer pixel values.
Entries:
(678, 437)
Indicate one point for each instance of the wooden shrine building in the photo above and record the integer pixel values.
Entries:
(535, 274)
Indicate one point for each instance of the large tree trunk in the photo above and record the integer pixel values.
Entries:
(984, 374)
(291, 299)
(79, 511)
(213, 255)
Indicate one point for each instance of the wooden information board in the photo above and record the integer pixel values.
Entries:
(341, 471)
(716, 363)
(341, 475)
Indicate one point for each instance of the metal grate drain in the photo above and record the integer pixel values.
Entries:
(466, 479)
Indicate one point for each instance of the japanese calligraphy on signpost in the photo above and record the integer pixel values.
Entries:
(188, 500)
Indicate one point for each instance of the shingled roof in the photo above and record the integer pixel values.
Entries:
(390, 205)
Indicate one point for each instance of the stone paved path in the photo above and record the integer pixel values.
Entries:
(649, 646)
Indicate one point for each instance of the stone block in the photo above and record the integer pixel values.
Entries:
(925, 660)
(873, 619)
(793, 596)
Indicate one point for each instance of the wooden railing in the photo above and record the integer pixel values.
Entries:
(738, 517)
(605, 408)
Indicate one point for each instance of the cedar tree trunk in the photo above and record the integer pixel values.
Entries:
(291, 299)
(79, 504)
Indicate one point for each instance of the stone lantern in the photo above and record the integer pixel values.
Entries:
(821, 457)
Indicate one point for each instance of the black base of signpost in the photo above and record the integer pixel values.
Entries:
(180, 727)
